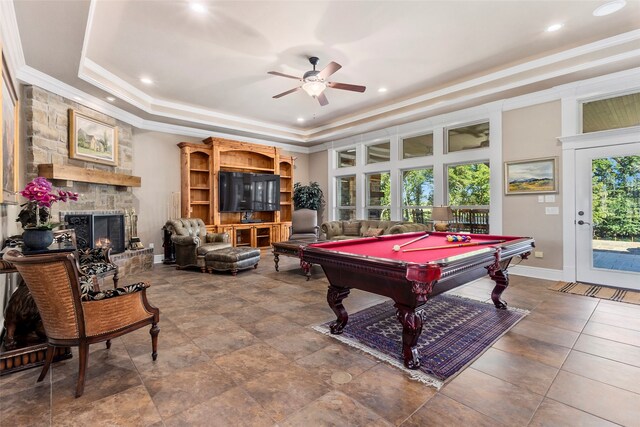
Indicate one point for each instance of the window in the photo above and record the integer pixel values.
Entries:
(417, 146)
(377, 153)
(468, 184)
(346, 191)
(612, 113)
(467, 137)
(469, 188)
(347, 158)
(378, 196)
(417, 194)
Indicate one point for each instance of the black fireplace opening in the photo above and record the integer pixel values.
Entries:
(98, 230)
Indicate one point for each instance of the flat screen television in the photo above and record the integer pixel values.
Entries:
(242, 192)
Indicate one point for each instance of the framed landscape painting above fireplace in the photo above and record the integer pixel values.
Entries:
(92, 140)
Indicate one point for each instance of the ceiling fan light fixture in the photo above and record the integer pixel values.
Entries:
(314, 88)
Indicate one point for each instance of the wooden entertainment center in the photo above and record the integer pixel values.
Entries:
(200, 166)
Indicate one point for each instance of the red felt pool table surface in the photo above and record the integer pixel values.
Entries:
(382, 247)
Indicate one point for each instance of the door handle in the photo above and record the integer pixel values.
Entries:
(581, 222)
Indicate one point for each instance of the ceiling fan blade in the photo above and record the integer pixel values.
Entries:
(280, 95)
(328, 70)
(276, 73)
(345, 86)
(322, 99)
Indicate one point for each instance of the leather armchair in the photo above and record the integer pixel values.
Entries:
(192, 241)
(304, 225)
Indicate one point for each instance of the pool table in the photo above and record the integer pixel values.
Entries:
(411, 277)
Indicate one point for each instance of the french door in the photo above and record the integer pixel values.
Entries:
(607, 216)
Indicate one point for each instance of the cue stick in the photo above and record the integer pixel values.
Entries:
(396, 248)
(459, 245)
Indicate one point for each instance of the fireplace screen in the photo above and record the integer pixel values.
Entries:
(98, 230)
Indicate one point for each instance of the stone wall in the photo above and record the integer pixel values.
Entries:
(46, 121)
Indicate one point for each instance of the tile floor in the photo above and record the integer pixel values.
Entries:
(238, 351)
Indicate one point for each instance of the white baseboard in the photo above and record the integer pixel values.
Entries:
(536, 272)
(157, 259)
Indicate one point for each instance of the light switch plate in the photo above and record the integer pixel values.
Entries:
(540, 199)
(550, 198)
(552, 210)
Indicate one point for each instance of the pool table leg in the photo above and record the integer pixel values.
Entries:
(276, 259)
(411, 330)
(335, 295)
(498, 273)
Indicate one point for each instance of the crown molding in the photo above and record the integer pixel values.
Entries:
(11, 43)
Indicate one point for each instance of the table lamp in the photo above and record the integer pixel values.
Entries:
(441, 216)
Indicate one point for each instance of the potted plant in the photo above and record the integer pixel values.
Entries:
(35, 215)
(307, 196)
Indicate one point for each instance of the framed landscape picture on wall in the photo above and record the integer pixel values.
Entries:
(9, 117)
(531, 176)
(92, 140)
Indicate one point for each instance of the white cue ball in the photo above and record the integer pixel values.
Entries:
(396, 248)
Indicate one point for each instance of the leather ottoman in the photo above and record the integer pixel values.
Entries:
(232, 259)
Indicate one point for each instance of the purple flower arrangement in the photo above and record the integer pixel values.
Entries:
(41, 195)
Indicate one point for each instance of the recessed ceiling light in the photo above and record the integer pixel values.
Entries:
(300, 119)
(77, 98)
(146, 80)
(554, 27)
(111, 98)
(609, 7)
(197, 7)
(382, 89)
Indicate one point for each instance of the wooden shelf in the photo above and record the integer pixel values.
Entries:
(196, 202)
(243, 167)
(199, 170)
(94, 176)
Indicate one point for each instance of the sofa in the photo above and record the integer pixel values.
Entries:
(342, 230)
(192, 242)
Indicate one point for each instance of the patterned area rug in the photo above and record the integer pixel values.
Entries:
(604, 292)
(455, 332)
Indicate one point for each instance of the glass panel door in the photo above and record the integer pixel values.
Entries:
(608, 215)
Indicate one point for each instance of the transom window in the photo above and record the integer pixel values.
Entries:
(377, 153)
(467, 137)
(347, 158)
(611, 113)
(417, 146)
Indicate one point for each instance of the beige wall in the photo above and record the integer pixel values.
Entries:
(156, 159)
(319, 172)
(530, 133)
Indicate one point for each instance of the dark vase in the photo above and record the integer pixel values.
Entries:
(37, 239)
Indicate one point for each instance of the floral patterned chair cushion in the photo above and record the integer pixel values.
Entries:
(110, 293)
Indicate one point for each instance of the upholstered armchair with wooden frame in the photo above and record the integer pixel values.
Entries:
(192, 242)
(74, 318)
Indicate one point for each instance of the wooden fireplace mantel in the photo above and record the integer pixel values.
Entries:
(95, 176)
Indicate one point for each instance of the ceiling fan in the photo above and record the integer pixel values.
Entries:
(315, 82)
